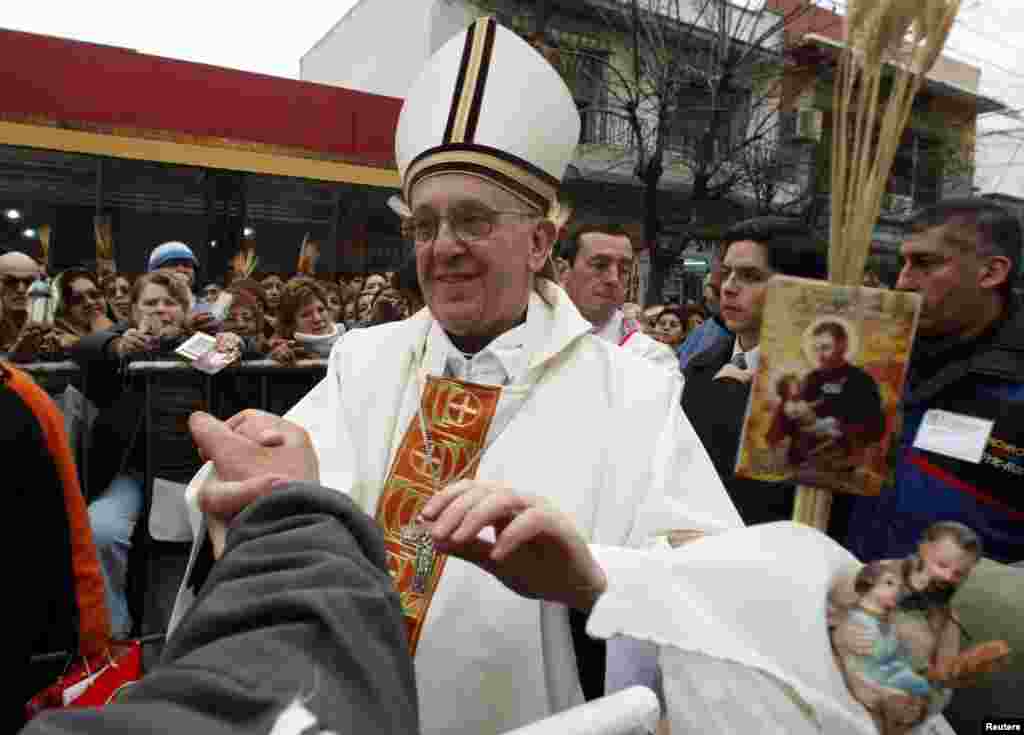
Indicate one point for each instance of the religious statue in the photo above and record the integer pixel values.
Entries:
(896, 637)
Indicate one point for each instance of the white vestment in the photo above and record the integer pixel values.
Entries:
(739, 622)
(593, 428)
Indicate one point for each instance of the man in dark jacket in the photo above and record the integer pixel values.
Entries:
(297, 630)
(965, 387)
(718, 379)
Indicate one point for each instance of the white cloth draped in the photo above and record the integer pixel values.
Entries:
(739, 621)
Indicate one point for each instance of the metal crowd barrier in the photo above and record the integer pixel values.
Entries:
(53, 377)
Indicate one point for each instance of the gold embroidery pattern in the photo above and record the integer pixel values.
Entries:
(458, 416)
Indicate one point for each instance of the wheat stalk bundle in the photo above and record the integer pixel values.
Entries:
(309, 254)
(45, 231)
(907, 36)
(244, 262)
(104, 232)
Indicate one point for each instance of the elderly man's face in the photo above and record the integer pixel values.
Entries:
(16, 282)
(479, 287)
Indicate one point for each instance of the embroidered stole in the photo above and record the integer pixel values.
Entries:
(458, 416)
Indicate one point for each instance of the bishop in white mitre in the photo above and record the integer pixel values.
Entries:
(499, 383)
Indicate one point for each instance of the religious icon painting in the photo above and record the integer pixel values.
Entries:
(823, 402)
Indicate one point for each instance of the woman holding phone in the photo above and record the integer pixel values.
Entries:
(117, 457)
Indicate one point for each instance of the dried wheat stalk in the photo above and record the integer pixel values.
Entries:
(907, 36)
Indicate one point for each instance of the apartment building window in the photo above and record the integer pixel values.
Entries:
(696, 114)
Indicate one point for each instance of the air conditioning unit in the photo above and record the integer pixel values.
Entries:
(899, 203)
(808, 125)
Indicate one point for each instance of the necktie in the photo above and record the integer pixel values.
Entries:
(740, 360)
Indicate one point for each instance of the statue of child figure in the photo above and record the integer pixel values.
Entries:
(880, 588)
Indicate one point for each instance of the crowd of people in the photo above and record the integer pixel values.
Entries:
(102, 324)
(267, 309)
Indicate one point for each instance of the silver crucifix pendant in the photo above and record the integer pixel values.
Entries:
(418, 535)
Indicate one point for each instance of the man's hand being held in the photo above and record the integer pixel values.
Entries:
(253, 452)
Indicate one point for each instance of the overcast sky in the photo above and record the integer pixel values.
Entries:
(270, 38)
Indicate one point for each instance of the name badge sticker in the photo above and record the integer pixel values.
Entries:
(954, 435)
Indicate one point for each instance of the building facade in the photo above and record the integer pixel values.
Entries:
(97, 138)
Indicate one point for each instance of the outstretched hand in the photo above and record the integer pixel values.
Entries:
(253, 452)
(537, 551)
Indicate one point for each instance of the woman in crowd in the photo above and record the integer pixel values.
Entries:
(304, 327)
(364, 307)
(695, 316)
(118, 291)
(670, 326)
(651, 314)
(335, 302)
(375, 283)
(355, 283)
(246, 317)
(349, 313)
(272, 285)
(117, 456)
(81, 307)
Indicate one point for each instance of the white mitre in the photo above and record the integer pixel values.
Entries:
(488, 104)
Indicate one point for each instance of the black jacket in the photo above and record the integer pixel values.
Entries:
(982, 378)
(116, 443)
(716, 409)
(299, 612)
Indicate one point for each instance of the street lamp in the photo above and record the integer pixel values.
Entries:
(13, 215)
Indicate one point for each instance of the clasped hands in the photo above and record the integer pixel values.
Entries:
(537, 551)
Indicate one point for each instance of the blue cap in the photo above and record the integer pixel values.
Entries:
(169, 252)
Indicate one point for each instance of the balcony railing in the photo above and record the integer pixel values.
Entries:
(601, 127)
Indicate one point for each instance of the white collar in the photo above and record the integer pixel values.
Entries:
(505, 360)
(552, 324)
(752, 355)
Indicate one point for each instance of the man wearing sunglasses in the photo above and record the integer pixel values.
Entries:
(17, 273)
(499, 390)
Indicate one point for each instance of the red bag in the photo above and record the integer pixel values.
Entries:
(93, 681)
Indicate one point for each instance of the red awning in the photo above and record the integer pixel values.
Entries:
(85, 86)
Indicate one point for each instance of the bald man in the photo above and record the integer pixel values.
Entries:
(17, 272)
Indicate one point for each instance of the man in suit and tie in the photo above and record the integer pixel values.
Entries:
(718, 379)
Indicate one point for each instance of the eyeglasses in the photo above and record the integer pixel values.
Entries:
(14, 281)
(467, 224)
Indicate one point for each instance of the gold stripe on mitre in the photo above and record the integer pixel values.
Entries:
(517, 177)
(470, 92)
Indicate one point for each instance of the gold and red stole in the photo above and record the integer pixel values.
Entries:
(458, 416)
